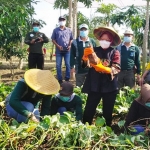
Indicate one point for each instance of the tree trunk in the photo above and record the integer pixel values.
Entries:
(11, 68)
(70, 14)
(75, 19)
(20, 64)
(51, 53)
(145, 38)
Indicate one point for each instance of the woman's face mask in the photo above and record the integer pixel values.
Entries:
(104, 44)
(62, 23)
(127, 39)
(36, 29)
(64, 98)
(147, 104)
(84, 33)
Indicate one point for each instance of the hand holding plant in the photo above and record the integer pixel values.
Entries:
(90, 55)
(87, 51)
(33, 118)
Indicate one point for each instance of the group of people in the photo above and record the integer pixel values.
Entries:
(32, 97)
(72, 52)
(100, 70)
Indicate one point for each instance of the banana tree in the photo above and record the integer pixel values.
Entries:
(134, 17)
(106, 11)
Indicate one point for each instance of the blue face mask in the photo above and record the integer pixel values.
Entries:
(36, 29)
(84, 33)
(64, 98)
(147, 104)
(127, 39)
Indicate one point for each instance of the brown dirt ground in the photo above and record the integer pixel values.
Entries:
(6, 76)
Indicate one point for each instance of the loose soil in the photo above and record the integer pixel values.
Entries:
(7, 78)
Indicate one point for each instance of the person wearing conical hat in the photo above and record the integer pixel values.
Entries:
(23, 102)
(139, 110)
(101, 81)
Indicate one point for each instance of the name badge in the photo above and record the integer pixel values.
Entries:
(132, 54)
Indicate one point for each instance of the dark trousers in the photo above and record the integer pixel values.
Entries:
(92, 102)
(36, 61)
(80, 78)
(126, 78)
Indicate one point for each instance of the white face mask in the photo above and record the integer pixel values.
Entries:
(62, 23)
(104, 44)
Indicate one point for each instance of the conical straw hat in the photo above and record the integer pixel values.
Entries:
(116, 38)
(42, 81)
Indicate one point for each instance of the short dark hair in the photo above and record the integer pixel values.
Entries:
(35, 23)
(66, 88)
(62, 17)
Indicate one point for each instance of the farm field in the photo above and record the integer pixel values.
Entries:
(63, 132)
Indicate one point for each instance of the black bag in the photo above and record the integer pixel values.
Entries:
(147, 77)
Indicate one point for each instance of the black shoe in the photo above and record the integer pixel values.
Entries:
(60, 82)
(66, 79)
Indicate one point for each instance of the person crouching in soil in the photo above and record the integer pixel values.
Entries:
(36, 86)
(139, 111)
(66, 100)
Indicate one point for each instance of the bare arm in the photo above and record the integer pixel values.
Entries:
(142, 78)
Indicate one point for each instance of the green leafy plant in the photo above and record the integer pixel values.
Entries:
(5, 90)
(124, 99)
(64, 132)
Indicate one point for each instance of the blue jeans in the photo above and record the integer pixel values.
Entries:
(20, 118)
(59, 57)
(61, 110)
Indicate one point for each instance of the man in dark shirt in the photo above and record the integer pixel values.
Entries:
(77, 49)
(35, 40)
(130, 59)
(62, 38)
